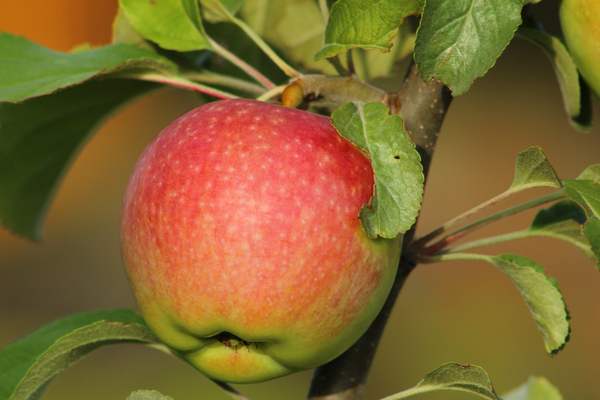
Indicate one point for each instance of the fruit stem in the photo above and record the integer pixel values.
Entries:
(271, 93)
(238, 62)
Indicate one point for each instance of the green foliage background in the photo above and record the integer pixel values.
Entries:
(459, 311)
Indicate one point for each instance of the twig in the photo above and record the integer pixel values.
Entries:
(423, 108)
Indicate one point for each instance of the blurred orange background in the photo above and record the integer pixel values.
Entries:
(465, 312)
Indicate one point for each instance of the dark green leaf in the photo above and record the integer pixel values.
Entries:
(40, 137)
(28, 69)
(397, 165)
(561, 211)
(534, 389)
(148, 395)
(368, 24)
(28, 365)
(533, 170)
(172, 24)
(459, 40)
(563, 221)
(541, 294)
(566, 72)
(453, 376)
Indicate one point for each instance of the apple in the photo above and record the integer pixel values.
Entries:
(580, 22)
(242, 242)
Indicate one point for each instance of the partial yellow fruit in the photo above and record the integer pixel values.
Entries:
(580, 21)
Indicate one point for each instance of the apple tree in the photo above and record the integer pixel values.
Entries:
(301, 175)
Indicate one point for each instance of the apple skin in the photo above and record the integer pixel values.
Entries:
(580, 22)
(242, 217)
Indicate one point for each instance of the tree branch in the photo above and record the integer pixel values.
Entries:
(423, 108)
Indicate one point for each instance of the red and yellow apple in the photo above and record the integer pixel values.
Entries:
(242, 242)
(580, 22)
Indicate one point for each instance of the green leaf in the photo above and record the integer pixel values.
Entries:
(566, 72)
(294, 27)
(542, 296)
(211, 9)
(591, 173)
(148, 395)
(28, 69)
(459, 40)
(564, 210)
(453, 376)
(536, 388)
(28, 365)
(563, 220)
(172, 24)
(125, 33)
(533, 170)
(40, 137)
(397, 165)
(586, 193)
(368, 24)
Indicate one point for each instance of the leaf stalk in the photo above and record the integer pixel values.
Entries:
(214, 78)
(442, 243)
(422, 259)
(178, 82)
(489, 241)
(238, 62)
(287, 69)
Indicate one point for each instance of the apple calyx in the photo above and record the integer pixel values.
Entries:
(232, 341)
